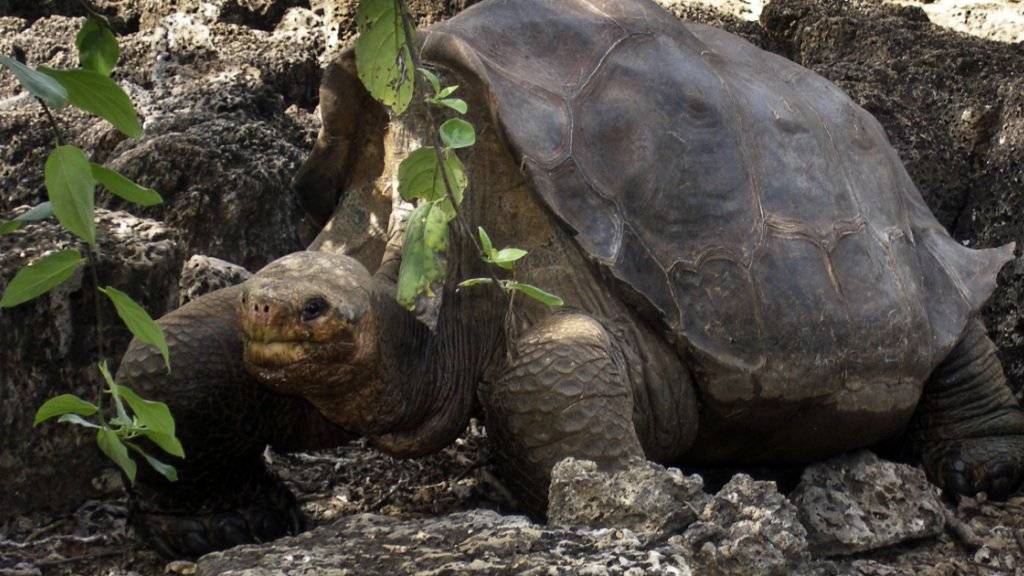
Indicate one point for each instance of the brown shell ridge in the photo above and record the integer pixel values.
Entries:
(587, 82)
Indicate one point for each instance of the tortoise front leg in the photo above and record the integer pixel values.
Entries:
(225, 496)
(968, 428)
(565, 393)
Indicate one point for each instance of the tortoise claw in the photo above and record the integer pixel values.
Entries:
(991, 465)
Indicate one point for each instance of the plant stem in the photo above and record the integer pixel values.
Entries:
(53, 122)
(90, 263)
(90, 8)
(93, 260)
(408, 27)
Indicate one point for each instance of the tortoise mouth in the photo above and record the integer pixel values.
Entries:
(271, 354)
(278, 354)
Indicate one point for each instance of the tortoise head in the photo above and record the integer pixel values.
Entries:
(307, 323)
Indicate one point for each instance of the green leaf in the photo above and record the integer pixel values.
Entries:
(61, 405)
(475, 282)
(72, 191)
(432, 78)
(506, 257)
(139, 322)
(112, 446)
(165, 470)
(38, 84)
(421, 265)
(435, 233)
(536, 293)
(419, 177)
(97, 47)
(457, 133)
(155, 419)
(485, 243)
(40, 211)
(40, 277)
(125, 188)
(383, 58)
(457, 104)
(96, 93)
(447, 91)
(77, 420)
(416, 176)
(456, 176)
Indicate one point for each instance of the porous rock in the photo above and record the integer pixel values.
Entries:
(747, 528)
(474, 542)
(857, 502)
(225, 130)
(203, 274)
(49, 346)
(646, 498)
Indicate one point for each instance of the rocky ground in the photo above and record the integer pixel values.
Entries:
(227, 93)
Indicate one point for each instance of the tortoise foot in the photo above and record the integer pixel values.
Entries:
(993, 465)
(244, 515)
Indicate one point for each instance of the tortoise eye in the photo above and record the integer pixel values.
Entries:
(314, 308)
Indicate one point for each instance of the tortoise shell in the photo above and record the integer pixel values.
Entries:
(752, 206)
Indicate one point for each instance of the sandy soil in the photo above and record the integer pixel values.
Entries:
(1001, 20)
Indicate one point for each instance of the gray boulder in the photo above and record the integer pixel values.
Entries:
(203, 274)
(857, 502)
(475, 542)
(747, 528)
(646, 498)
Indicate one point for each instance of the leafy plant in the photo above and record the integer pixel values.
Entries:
(71, 181)
(433, 176)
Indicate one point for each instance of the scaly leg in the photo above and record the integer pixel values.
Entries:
(565, 393)
(969, 429)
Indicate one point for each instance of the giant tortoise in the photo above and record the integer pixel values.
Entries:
(750, 276)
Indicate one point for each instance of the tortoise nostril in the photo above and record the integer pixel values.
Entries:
(266, 308)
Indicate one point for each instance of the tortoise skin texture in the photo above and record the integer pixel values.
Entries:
(750, 276)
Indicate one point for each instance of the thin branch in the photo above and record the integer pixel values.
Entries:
(57, 135)
(407, 28)
(98, 303)
(91, 9)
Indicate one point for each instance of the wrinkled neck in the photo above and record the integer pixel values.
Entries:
(429, 377)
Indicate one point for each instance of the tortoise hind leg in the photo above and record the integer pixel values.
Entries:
(968, 428)
(565, 393)
(225, 495)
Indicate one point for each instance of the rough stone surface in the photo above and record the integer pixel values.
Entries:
(475, 542)
(203, 274)
(649, 499)
(223, 136)
(857, 502)
(258, 14)
(48, 346)
(747, 528)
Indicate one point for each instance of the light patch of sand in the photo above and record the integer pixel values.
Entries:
(1001, 20)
